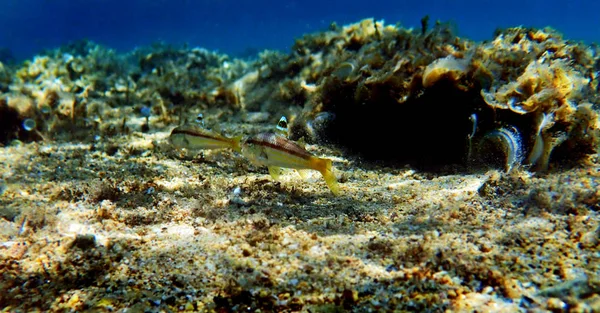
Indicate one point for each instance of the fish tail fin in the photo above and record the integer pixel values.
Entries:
(325, 167)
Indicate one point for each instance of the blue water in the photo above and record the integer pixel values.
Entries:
(242, 26)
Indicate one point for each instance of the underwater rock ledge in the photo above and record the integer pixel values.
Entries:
(100, 213)
(433, 99)
(421, 97)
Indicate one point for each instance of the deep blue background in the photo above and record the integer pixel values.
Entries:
(27, 26)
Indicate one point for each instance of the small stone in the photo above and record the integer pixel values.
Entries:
(170, 300)
(84, 242)
(590, 239)
(594, 303)
(73, 301)
(391, 268)
(349, 297)
(556, 304)
(486, 247)
(9, 213)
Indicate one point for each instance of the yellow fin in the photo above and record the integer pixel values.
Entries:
(303, 173)
(325, 167)
(236, 143)
(275, 172)
(301, 143)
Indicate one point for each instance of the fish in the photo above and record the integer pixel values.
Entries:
(276, 152)
(196, 137)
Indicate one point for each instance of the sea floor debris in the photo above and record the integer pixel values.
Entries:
(99, 214)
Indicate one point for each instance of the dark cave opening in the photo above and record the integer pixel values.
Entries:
(430, 130)
(9, 123)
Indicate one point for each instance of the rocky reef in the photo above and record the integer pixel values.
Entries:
(433, 99)
(98, 213)
(421, 97)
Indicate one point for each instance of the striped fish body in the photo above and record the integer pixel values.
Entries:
(269, 149)
(275, 151)
(197, 138)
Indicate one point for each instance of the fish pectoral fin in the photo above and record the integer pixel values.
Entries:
(275, 172)
(301, 142)
(303, 174)
(236, 143)
(263, 157)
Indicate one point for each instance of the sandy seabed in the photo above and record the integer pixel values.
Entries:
(98, 213)
(130, 225)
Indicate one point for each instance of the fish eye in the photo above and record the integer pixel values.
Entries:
(200, 119)
(282, 124)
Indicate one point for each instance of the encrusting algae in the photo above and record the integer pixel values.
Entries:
(439, 145)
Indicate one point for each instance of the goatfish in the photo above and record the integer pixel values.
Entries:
(275, 152)
(196, 137)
